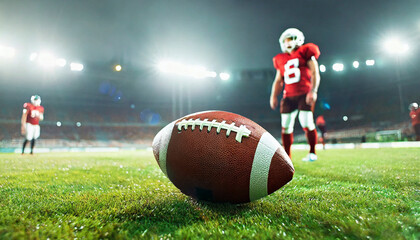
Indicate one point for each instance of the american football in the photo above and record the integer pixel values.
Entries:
(221, 157)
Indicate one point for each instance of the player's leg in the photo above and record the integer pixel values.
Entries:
(28, 135)
(287, 123)
(32, 145)
(417, 131)
(322, 129)
(37, 131)
(306, 119)
(24, 145)
(288, 109)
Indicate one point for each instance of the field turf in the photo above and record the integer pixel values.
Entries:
(346, 194)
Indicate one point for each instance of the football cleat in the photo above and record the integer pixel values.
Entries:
(311, 157)
(296, 40)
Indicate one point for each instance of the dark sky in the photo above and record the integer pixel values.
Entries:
(219, 34)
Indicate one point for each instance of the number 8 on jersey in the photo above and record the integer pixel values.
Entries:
(291, 71)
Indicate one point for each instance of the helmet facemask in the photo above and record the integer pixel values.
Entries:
(291, 39)
(290, 43)
(36, 100)
(413, 106)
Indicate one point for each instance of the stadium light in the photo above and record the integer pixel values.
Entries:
(46, 59)
(345, 118)
(212, 74)
(76, 67)
(338, 67)
(185, 70)
(78, 124)
(7, 52)
(322, 68)
(61, 62)
(370, 62)
(194, 71)
(58, 124)
(33, 56)
(356, 64)
(167, 67)
(396, 46)
(224, 76)
(118, 68)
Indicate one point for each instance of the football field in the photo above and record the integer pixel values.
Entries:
(346, 194)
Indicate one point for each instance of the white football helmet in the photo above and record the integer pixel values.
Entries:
(36, 100)
(412, 106)
(297, 39)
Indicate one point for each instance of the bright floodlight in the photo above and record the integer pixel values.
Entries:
(61, 62)
(322, 68)
(345, 118)
(76, 67)
(33, 56)
(185, 70)
(338, 67)
(396, 46)
(78, 124)
(46, 59)
(118, 68)
(7, 52)
(370, 62)
(356, 64)
(58, 124)
(224, 76)
(194, 71)
(163, 66)
(212, 74)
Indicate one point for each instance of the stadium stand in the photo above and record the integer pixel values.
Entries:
(147, 104)
(106, 126)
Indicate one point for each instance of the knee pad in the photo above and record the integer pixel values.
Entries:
(288, 121)
(306, 119)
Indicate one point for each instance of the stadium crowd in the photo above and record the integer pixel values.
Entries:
(146, 106)
(113, 123)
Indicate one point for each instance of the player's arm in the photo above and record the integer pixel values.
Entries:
(276, 90)
(315, 80)
(23, 121)
(41, 116)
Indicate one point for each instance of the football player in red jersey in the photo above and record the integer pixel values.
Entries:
(297, 72)
(32, 113)
(415, 119)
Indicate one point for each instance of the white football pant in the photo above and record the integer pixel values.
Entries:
(288, 121)
(306, 120)
(32, 131)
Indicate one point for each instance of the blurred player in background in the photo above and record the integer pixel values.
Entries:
(415, 119)
(32, 113)
(320, 122)
(297, 72)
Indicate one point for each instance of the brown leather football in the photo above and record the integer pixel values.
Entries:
(221, 157)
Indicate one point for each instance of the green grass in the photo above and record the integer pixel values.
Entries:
(346, 194)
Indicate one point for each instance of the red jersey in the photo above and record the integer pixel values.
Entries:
(33, 112)
(415, 116)
(294, 69)
(320, 121)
